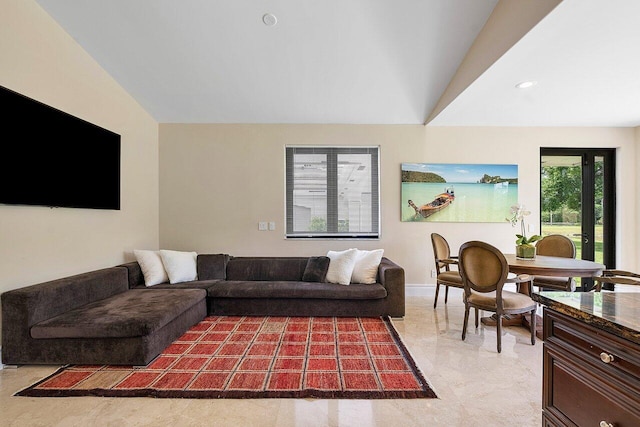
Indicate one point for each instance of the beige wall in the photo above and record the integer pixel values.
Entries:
(637, 198)
(218, 181)
(41, 61)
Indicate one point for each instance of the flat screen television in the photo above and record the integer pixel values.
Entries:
(51, 158)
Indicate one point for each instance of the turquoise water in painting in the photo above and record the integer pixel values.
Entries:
(473, 202)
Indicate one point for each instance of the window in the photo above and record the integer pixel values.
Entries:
(332, 192)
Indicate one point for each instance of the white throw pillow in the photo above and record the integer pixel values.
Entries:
(180, 266)
(151, 266)
(366, 268)
(341, 265)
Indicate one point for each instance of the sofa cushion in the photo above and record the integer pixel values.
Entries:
(151, 265)
(136, 312)
(287, 289)
(316, 269)
(366, 268)
(180, 266)
(212, 266)
(266, 268)
(341, 266)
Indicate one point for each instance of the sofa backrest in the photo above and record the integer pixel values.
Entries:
(208, 266)
(266, 268)
(135, 276)
(43, 301)
(212, 266)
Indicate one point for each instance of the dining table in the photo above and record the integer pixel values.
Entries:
(543, 265)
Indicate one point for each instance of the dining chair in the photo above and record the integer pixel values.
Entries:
(484, 272)
(444, 261)
(560, 246)
(610, 278)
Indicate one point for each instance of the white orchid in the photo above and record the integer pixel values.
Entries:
(518, 212)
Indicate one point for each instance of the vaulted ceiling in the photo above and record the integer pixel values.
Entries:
(438, 62)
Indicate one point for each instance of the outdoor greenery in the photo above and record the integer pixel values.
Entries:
(561, 205)
(319, 224)
(561, 195)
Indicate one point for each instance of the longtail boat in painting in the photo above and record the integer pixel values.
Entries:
(440, 202)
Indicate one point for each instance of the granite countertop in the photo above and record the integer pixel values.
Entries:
(614, 312)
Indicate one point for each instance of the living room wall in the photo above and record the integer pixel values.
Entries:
(218, 181)
(43, 62)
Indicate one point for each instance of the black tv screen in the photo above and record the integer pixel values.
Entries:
(51, 158)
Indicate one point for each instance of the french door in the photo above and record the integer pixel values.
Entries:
(577, 199)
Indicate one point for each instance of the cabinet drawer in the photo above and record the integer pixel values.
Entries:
(614, 354)
(582, 395)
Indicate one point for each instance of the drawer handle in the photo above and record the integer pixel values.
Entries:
(606, 358)
(604, 423)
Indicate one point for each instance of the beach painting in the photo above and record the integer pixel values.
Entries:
(448, 192)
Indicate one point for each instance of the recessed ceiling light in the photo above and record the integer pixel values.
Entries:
(526, 84)
(269, 19)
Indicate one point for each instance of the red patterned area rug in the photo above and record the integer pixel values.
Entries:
(260, 357)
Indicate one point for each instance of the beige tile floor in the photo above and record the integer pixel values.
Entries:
(476, 387)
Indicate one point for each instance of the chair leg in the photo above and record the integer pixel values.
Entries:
(435, 300)
(532, 324)
(477, 318)
(466, 320)
(499, 331)
(446, 294)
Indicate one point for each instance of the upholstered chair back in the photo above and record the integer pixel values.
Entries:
(556, 245)
(441, 249)
(482, 266)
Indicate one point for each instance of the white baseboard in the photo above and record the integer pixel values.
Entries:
(419, 289)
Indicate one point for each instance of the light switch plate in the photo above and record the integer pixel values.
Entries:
(272, 226)
(262, 226)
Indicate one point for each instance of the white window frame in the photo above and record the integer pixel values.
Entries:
(332, 192)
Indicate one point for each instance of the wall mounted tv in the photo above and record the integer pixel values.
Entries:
(51, 158)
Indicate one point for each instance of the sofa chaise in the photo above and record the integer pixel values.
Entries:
(94, 318)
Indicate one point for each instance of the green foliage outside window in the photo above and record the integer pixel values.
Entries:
(562, 196)
(318, 224)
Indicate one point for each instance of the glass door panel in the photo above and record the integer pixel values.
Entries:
(578, 200)
(561, 204)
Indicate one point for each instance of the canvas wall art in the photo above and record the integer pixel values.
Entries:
(448, 192)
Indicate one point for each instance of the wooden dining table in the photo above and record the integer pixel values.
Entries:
(543, 265)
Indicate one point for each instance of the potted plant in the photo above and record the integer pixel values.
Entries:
(524, 245)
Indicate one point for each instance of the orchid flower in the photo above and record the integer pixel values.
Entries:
(518, 212)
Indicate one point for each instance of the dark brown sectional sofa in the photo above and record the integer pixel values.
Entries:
(109, 316)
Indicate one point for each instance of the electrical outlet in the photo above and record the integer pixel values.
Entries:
(262, 226)
(433, 273)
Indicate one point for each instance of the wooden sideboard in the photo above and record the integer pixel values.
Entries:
(591, 359)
